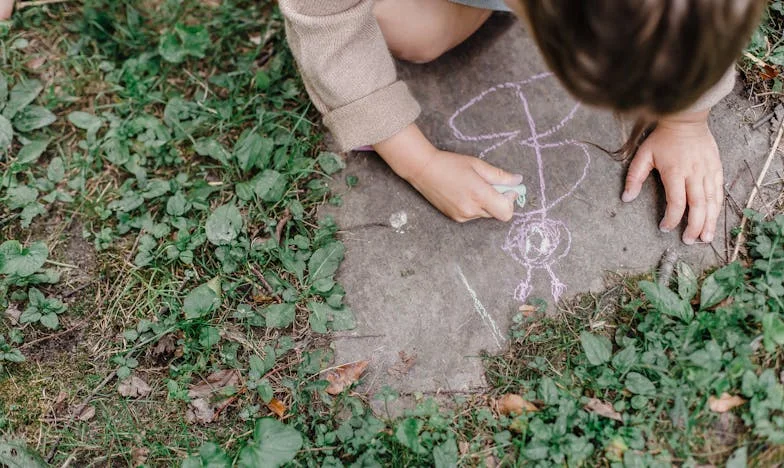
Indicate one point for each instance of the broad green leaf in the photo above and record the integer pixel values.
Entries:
(739, 458)
(29, 212)
(129, 202)
(30, 315)
(639, 384)
(22, 94)
(56, 170)
(274, 444)
(16, 455)
(175, 46)
(666, 301)
(209, 337)
(21, 261)
(224, 225)
(270, 186)
(319, 314)
(719, 285)
(85, 120)
(598, 349)
(445, 455)
(201, 301)
(30, 152)
(6, 133)
(50, 321)
(32, 118)
(21, 196)
(210, 147)
(330, 162)
(407, 433)
(279, 315)
(325, 261)
(177, 205)
(625, 359)
(687, 281)
(210, 456)
(773, 331)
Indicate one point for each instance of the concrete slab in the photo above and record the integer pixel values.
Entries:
(443, 291)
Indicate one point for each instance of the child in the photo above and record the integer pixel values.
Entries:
(6, 8)
(658, 61)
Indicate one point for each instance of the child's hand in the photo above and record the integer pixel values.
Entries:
(685, 153)
(459, 186)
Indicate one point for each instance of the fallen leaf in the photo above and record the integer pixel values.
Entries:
(13, 313)
(527, 310)
(35, 63)
(214, 383)
(262, 298)
(725, 402)
(491, 461)
(199, 411)
(59, 406)
(515, 405)
(134, 387)
(602, 408)
(345, 376)
(255, 39)
(277, 407)
(83, 412)
(401, 368)
(463, 447)
(139, 455)
(166, 345)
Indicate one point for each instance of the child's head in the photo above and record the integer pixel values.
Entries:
(652, 57)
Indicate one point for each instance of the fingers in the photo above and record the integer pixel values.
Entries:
(696, 196)
(714, 197)
(675, 189)
(500, 207)
(639, 169)
(495, 175)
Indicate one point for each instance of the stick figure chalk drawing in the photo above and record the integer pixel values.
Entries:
(535, 239)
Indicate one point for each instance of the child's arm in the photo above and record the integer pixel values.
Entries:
(350, 76)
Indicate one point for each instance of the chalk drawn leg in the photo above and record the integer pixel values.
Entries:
(524, 288)
(557, 288)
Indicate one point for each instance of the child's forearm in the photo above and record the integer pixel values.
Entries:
(407, 152)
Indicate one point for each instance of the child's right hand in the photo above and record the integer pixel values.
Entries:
(459, 186)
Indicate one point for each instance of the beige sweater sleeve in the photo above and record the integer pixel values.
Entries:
(348, 70)
(715, 94)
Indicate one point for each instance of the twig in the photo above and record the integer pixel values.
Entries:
(64, 265)
(49, 337)
(35, 3)
(281, 225)
(667, 265)
(760, 179)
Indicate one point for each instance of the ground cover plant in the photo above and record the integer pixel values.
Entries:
(168, 292)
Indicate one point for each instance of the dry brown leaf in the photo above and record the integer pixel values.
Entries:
(59, 406)
(262, 299)
(13, 313)
(255, 39)
(139, 455)
(401, 368)
(515, 405)
(277, 407)
(725, 402)
(602, 408)
(199, 411)
(527, 310)
(214, 383)
(84, 412)
(463, 447)
(134, 387)
(166, 345)
(35, 63)
(345, 376)
(491, 461)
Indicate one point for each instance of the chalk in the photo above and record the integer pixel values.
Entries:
(519, 189)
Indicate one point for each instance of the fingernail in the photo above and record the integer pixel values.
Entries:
(688, 241)
(518, 179)
(663, 229)
(627, 197)
(708, 237)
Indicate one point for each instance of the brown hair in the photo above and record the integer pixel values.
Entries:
(651, 57)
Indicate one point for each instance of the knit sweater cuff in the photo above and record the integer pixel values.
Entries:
(373, 118)
(715, 94)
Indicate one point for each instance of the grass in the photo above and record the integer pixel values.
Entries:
(160, 195)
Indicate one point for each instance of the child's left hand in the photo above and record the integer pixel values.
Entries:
(683, 150)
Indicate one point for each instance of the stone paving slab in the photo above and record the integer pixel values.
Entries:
(422, 284)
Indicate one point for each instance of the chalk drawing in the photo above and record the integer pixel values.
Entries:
(480, 309)
(535, 240)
